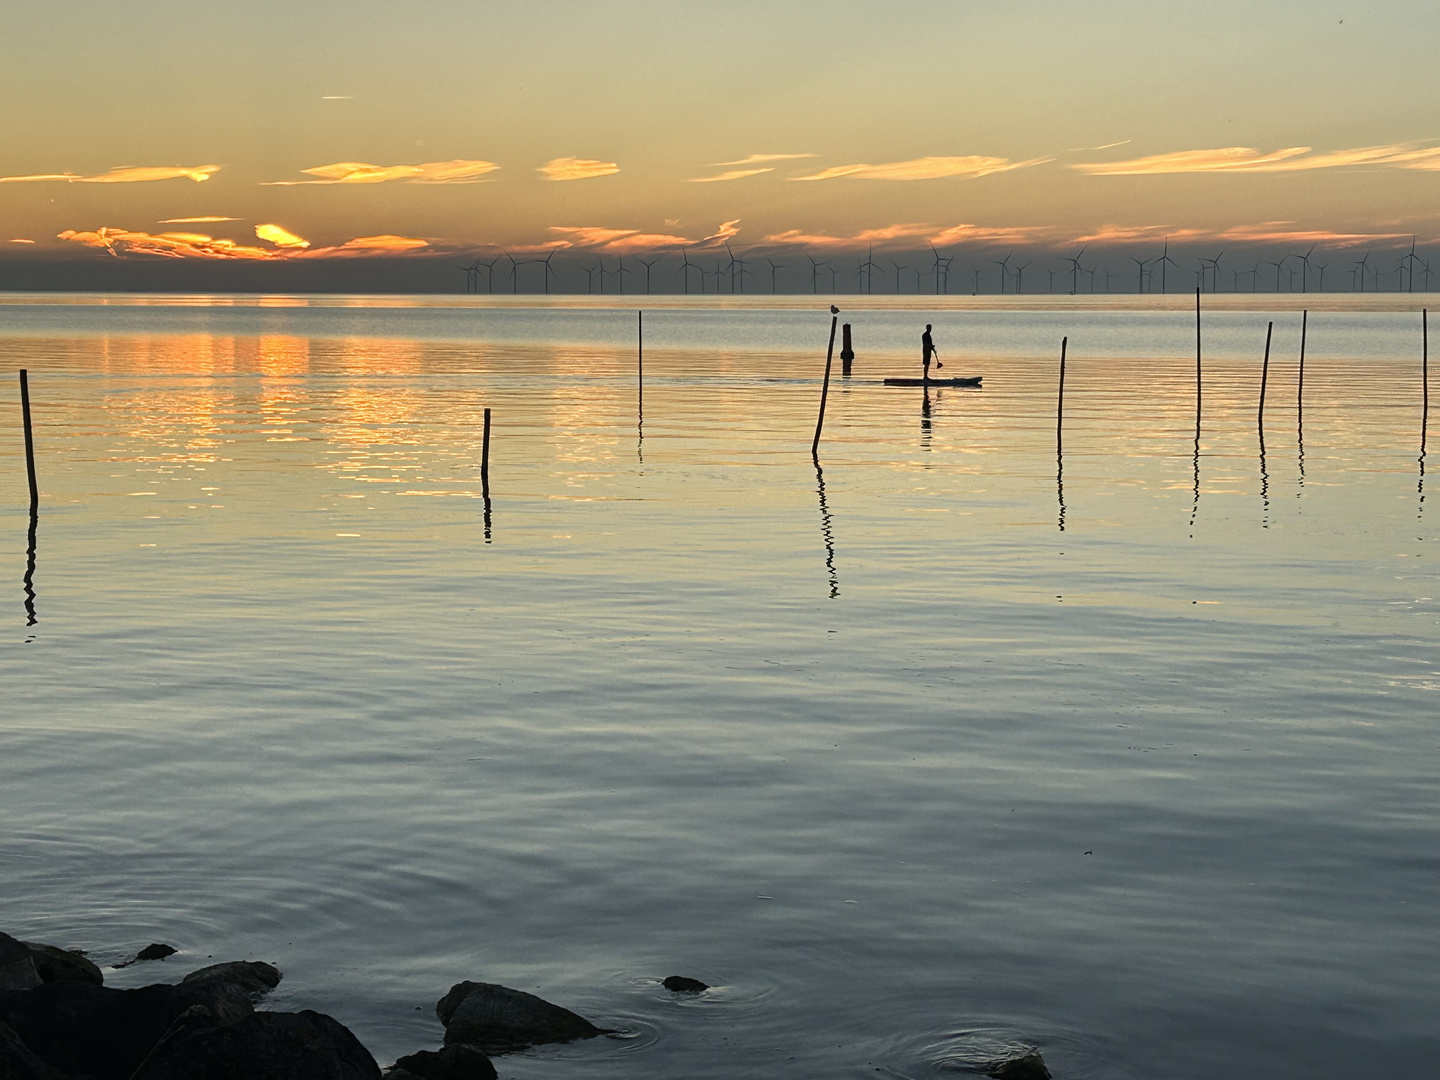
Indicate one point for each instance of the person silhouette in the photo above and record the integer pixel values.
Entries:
(927, 350)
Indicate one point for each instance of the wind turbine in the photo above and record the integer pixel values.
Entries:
(1052, 274)
(1004, 265)
(1075, 271)
(686, 266)
(1320, 269)
(868, 268)
(814, 273)
(898, 267)
(471, 285)
(1020, 277)
(1277, 266)
(647, 266)
(1215, 270)
(1411, 259)
(936, 268)
(1140, 265)
(1165, 260)
(514, 273)
(774, 267)
(620, 274)
(590, 278)
(1304, 268)
(548, 270)
(1362, 266)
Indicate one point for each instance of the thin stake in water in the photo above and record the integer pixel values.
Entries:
(29, 439)
(1265, 375)
(1197, 351)
(825, 387)
(485, 473)
(1060, 435)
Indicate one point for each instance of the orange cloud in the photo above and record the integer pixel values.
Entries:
(19, 241)
(125, 175)
(926, 168)
(1244, 159)
(195, 220)
(1269, 232)
(627, 241)
(122, 242)
(280, 237)
(459, 171)
(369, 245)
(180, 245)
(906, 235)
(760, 159)
(729, 174)
(569, 168)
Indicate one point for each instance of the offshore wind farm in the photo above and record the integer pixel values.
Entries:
(633, 540)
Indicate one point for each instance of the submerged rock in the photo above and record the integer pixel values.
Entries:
(681, 985)
(154, 951)
(458, 1062)
(252, 976)
(498, 1019)
(19, 1062)
(274, 1046)
(1028, 1066)
(17, 966)
(53, 964)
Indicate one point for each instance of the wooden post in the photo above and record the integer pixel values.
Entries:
(29, 439)
(847, 351)
(640, 354)
(825, 388)
(485, 456)
(1265, 375)
(1300, 383)
(1197, 349)
(1424, 376)
(1060, 402)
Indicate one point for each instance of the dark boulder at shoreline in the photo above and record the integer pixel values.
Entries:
(458, 1062)
(263, 1046)
(53, 964)
(17, 966)
(498, 1019)
(19, 1062)
(681, 985)
(97, 1031)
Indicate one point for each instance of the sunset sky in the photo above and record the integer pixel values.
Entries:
(269, 131)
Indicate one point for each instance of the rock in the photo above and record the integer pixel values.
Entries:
(52, 963)
(681, 985)
(253, 977)
(17, 967)
(457, 1062)
(1028, 1066)
(18, 1062)
(498, 1019)
(97, 1031)
(264, 1046)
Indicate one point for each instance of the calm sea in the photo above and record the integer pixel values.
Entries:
(1125, 748)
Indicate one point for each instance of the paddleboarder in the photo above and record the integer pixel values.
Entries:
(927, 350)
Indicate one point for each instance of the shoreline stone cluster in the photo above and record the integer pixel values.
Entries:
(58, 1021)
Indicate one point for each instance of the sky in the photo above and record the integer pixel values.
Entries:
(212, 131)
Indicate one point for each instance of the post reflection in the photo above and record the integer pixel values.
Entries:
(1060, 477)
(926, 427)
(1264, 481)
(1419, 487)
(827, 533)
(1195, 458)
(30, 617)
